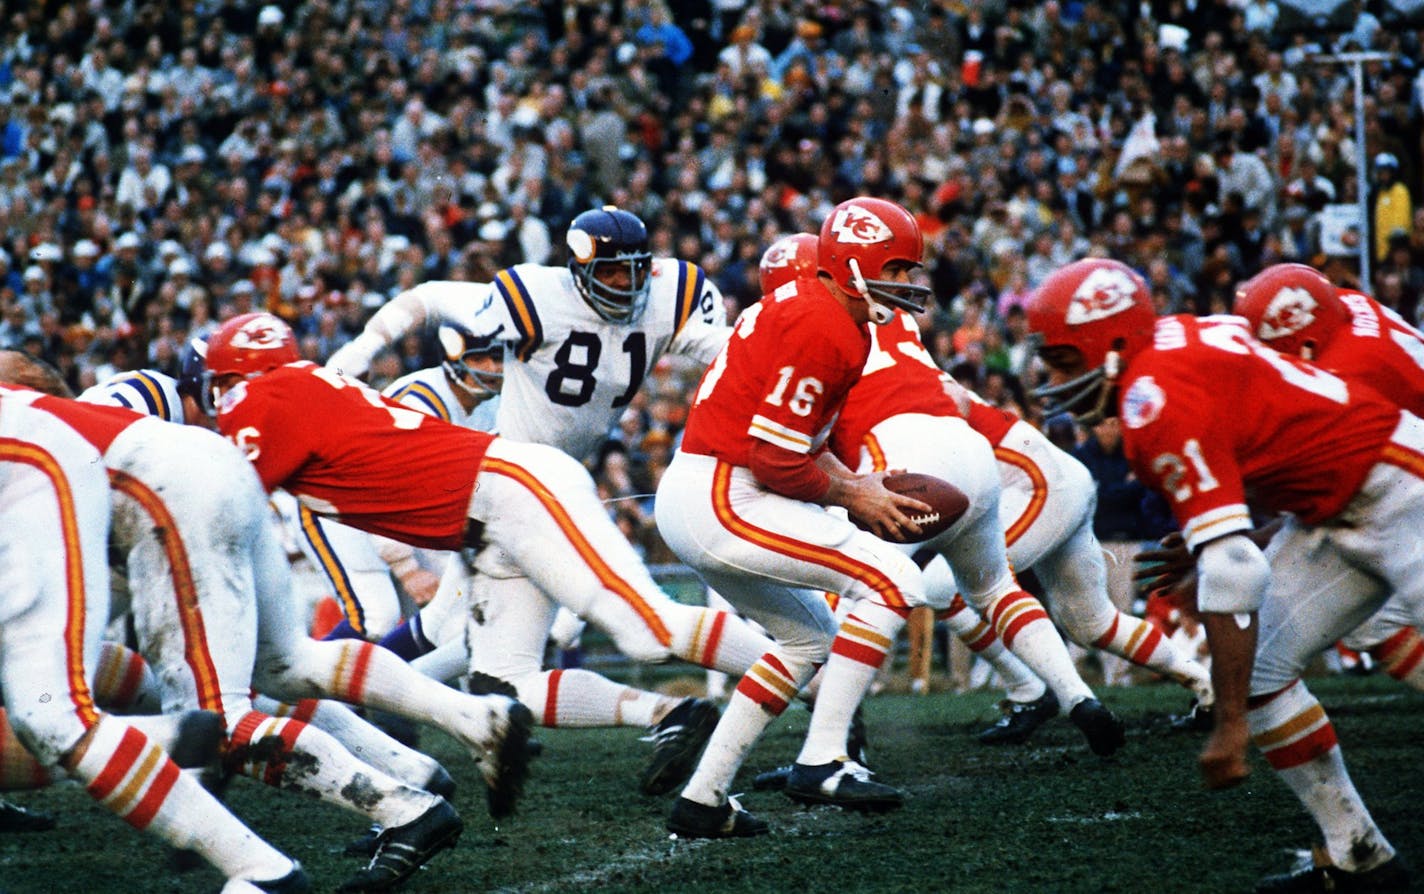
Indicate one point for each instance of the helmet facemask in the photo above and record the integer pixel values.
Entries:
(1089, 397)
(459, 353)
(884, 295)
(617, 305)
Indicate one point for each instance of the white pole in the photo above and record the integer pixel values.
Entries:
(1357, 61)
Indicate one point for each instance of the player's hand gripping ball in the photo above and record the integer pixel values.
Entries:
(948, 503)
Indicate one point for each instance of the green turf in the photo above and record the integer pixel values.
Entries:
(1046, 818)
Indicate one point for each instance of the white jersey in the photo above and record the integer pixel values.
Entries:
(568, 373)
(144, 391)
(431, 392)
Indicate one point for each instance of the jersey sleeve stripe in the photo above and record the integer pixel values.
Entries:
(1216, 523)
(689, 286)
(521, 311)
(426, 395)
(779, 435)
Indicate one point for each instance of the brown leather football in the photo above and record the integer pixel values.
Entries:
(949, 502)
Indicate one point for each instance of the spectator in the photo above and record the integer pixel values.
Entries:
(1393, 210)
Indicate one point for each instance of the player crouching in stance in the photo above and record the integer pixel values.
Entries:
(54, 600)
(348, 452)
(1346, 464)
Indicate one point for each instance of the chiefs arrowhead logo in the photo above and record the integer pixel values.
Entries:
(779, 256)
(1143, 403)
(1290, 311)
(854, 225)
(1102, 293)
(261, 334)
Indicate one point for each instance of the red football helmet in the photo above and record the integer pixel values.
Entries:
(1293, 308)
(1103, 309)
(251, 344)
(859, 238)
(789, 258)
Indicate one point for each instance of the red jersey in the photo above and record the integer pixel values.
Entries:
(1379, 349)
(1211, 418)
(781, 377)
(99, 425)
(988, 420)
(348, 452)
(899, 377)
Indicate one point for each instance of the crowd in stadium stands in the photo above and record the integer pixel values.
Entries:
(166, 166)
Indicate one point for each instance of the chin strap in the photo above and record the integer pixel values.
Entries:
(880, 314)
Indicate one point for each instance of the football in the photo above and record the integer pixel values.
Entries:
(949, 502)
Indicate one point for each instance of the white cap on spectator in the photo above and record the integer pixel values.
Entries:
(34, 273)
(128, 240)
(169, 248)
(242, 287)
(192, 154)
(180, 267)
(307, 292)
(46, 251)
(492, 230)
(271, 14)
(217, 250)
(397, 243)
(261, 256)
(274, 243)
(983, 126)
(86, 248)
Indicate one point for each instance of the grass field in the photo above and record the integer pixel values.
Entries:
(1049, 817)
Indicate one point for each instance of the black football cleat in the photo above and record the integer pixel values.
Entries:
(772, 780)
(690, 819)
(14, 818)
(1392, 875)
(677, 741)
(1101, 727)
(366, 845)
(842, 783)
(404, 849)
(294, 882)
(1020, 720)
(504, 762)
(440, 783)
(1198, 719)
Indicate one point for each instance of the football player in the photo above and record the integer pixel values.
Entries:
(901, 415)
(1210, 415)
(417, 700)
(905, 412)
(743, 502)
(1296, 310)
(578, 342)
(191, 578)
(347, 451)
(54, 521)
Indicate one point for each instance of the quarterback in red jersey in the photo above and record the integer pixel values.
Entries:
(743, 503)
(1296, 310)
(1346, 464)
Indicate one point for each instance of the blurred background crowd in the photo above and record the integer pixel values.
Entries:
(166, 165)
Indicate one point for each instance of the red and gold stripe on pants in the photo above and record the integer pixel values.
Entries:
(606, 575)
(1037, 479)
(799, 550)
(16, 451)
(185, 591)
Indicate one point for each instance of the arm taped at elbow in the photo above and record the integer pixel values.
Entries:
(1232, 575)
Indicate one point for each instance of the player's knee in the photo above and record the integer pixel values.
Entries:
(1232, 574)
